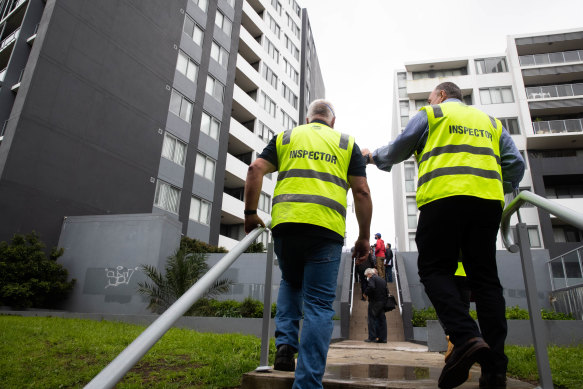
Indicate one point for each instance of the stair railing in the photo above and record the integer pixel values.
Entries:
(131, 355)
(536, 322)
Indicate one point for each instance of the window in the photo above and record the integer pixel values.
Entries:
(289, 95)
(511, 124)
(223, 23)
(273, 26)
(491, 65)
(205, 167)
(202, 4)
(292, 48)
(187, 66)
(566, 233)
(467, 100)
(269, 75)
(533, 236)
(167, 196)
(181, 106)
(496, 95)
(264, 132)
(404, 110)
(287, 122)
(174, 149)
(293, 26)
(295, 7)
(277, 5)
(409, 176)
(231, 3)
(271, 50)
(219, 54)
(412, 244)
(411, 212)
(215, 88)
(210, 126)
(402, 84)
(291, 72)
(200, 210)
(264, 203)
(267, 104)
(193, 30)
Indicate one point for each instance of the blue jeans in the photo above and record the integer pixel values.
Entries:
(309, 269)
(389, 273)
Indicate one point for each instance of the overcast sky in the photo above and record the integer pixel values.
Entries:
(361, 43)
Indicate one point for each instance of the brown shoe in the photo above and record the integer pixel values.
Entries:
(455, 372)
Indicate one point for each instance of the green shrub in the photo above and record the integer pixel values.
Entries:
(256, 247)
(516, 313)
(251, 308)
(196, 246)
(28, 278)
(552, 315)
(420, 316)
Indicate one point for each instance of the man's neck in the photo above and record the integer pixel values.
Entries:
(320, 121)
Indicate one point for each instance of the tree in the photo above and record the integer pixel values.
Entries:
(182, 270)
(28, 278)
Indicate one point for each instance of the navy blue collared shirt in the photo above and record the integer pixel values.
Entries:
(414, 137)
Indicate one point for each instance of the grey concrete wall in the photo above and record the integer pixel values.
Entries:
(559, 332)
(509, 271)
(104, 254)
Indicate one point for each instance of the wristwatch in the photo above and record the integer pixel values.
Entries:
(369, 158)
(250, 212)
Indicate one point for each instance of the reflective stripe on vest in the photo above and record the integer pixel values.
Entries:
(460, 271)
(461, 155)
(312, 181)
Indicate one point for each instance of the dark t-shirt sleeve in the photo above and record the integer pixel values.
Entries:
(269, 153)
(357, 165)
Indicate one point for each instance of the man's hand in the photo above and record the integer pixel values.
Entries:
(251, 222)
(361, 248)
(365, 152)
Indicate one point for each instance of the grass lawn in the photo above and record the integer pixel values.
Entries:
(45, 352)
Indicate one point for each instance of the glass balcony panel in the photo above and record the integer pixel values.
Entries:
(535, 127)
(556, 57)
(543, 128)
(526, 60)
(573, 268)
(541, 59)
(558, 274)
(557, 126)
(533, 92)
(578, 89)
(572, 56)
(549, 91)
(580, 55)
(574, 125)
(564, 90)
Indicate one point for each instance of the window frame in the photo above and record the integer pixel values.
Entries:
(157, 204)
(213, 83)
(200, 207)
(212, 120)
(227, 28)
(183, 98)
(204, 167)
(223, 54)
(189, 62)
(195, 26)
(175, 141)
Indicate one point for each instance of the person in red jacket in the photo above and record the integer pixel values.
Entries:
(379, 252)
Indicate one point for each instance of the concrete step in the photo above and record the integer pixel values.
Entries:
(353, 364)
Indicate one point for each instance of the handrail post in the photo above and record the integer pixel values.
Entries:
(536, 323)
(265, 331)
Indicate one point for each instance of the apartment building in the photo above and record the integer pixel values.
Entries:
(142, 106)
(536, 89)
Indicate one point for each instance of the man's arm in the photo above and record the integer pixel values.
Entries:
(412, 138)
(253, 184)
(363, 209)
(512, 163)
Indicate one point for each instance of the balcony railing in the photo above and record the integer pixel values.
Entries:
(567, 270)
(9, 39)
(551, 58)
(558, 126)
(549, 91)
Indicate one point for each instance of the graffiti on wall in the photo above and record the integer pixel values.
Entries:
(121, 275)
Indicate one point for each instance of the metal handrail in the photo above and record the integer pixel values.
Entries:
(115, 371)
(552, 207)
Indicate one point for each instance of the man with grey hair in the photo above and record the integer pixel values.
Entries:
(316, 166)
(376, 291)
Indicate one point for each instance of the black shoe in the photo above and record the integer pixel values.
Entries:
(455, 372)
(493, 381)
(370, 340)
(284, 358)
(380, 341)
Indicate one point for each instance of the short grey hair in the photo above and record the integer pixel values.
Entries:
(321, 109)
(369, 271)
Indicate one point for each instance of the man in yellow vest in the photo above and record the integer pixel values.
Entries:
(466, 161)
(316, 166)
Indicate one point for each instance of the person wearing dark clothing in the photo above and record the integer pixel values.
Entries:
(389, 264)
(466, 160)
(376, 291)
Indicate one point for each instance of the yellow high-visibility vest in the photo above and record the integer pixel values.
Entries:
(312, 180)
(460, 270)
(461, 155)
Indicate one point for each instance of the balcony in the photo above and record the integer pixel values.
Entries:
(555, 99)
(562, 66)
(558, 126)
(9, 39)
(556, 134)
(551, 58)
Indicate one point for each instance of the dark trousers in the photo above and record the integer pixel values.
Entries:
(469, 224)
(377, 321)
